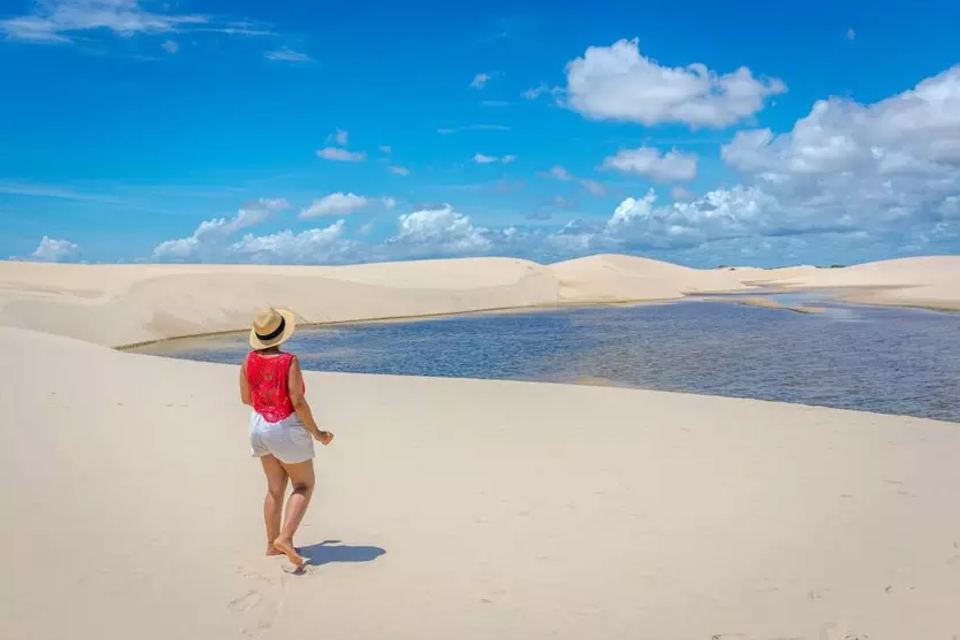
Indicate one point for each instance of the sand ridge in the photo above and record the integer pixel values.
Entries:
(128, 304)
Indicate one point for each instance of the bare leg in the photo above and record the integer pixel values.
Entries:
(302, 478)
(273, 502)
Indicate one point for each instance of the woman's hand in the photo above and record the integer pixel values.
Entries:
(323, 437)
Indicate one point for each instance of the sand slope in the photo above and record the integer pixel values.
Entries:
(127, 304)
(117, 304)
(464, 509)
(932, 281)
(615, 278)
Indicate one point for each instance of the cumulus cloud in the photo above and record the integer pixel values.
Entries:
(892, 163)
(441, 230)
(335, 204)
(308, 247)
(53, 21)
(847, 171)
(671, 166)
(848, 182)
(341, 155)
(209, 236)
(171, 46)
(53, 250)
(619, 83)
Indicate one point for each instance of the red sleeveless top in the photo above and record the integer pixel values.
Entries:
(268, 376)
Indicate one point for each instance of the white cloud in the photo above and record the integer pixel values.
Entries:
(890, 164)
(560, 173)
(480, 80)
(52, 250)
(335, 204)
(286, 54)
(480, 158)
(882, 172)
(55, 20)
(618, 83)
(170, 46)
(390, 203)
(341, 155)
(339, 137)
(671, 166)
(400, 171)
(385, 148)
(208, 236)
(679, 193)
(851, 34)
(440, 230)
(310, 246)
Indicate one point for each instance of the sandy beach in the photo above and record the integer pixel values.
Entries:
(453, 508)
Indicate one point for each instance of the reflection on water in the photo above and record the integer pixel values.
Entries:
(889, 360)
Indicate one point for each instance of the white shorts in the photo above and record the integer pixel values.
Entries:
(288, 440)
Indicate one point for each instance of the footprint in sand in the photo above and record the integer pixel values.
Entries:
(260, 605)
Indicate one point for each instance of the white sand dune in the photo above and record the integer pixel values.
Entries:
(615, 278)
(464, 509)
(128, 304)
(932, 281)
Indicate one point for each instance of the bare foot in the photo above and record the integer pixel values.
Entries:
(286, 548)
(273, 551)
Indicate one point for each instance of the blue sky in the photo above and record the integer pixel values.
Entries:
(701, 133)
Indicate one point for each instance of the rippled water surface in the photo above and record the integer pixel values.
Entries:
(902, 361)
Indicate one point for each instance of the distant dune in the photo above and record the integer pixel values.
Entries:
(932, 281)
(126, 304)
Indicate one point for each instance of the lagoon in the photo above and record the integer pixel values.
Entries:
(888, 360)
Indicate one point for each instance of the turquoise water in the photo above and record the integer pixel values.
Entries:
(889, 360)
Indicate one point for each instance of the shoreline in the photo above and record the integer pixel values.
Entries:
(754, 298)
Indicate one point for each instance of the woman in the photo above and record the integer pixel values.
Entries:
(282, 427)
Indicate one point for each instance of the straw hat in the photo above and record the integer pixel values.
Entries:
(271, 328)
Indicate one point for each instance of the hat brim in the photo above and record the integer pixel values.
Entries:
(289, 326)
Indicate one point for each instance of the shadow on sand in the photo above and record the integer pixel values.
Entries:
(330, 551)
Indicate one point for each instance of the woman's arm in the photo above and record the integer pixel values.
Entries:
(300, 405)
(245, 396)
